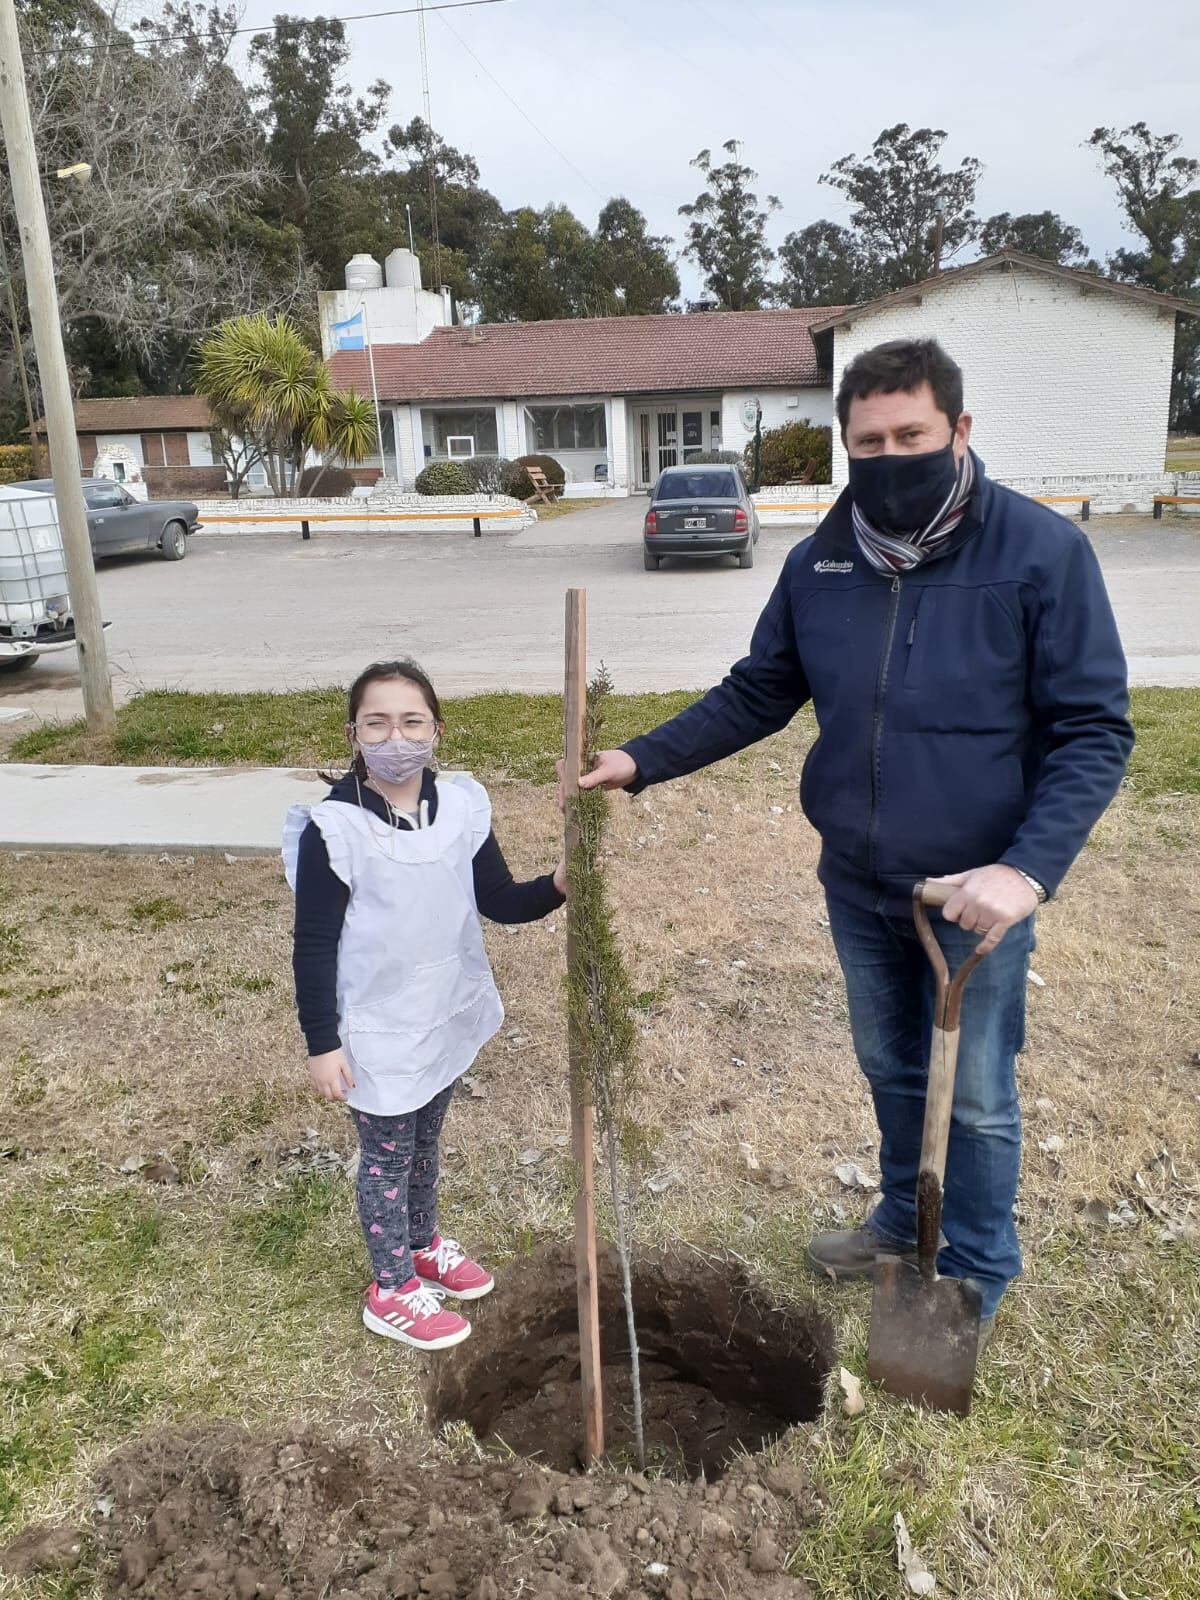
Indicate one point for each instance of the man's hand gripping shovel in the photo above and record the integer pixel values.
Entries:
(924, 1329)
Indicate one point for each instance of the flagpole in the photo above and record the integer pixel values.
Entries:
(374, 391)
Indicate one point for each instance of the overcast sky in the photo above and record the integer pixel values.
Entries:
(626, 92)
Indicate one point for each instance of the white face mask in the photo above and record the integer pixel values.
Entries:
(396, 760)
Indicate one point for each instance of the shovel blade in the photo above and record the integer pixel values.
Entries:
(924, 1339)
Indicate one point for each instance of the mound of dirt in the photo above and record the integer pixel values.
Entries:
(217, 1513)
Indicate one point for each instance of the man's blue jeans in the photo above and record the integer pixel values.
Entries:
(889, 986)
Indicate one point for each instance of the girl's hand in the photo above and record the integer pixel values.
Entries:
(560, 876)
(330, 1075)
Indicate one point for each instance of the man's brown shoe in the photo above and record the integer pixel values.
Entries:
(850, 1253)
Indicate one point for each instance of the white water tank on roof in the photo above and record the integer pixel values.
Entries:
(403, 270)
(364, 272)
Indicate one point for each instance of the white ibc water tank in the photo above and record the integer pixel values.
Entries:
(33, 565)
(403, 270)
(364, 272)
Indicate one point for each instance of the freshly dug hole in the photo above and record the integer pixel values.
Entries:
(723, 1370)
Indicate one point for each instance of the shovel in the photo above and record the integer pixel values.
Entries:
(924, 1329)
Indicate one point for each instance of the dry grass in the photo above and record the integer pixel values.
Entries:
(127, 1305)
(562, 507)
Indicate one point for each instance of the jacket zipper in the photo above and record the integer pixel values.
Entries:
(881, 679)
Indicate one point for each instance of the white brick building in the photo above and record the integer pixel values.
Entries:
(614, 399)
(1067, 375)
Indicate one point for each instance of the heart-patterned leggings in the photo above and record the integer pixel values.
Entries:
(397, 1186)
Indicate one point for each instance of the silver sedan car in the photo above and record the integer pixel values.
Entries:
(700, 510)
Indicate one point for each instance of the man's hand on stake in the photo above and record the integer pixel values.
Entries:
(989, 901)
(560, 876)
(611, 769)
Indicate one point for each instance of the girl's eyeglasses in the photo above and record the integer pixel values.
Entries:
(375, 728)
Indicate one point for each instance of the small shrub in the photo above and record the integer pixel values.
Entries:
(516, 479)
(16, 463)
(334, 483)
(486, 473)
(443, 477)
(787, 451)
(713, 457)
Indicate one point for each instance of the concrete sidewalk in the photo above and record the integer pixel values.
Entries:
(150, 808)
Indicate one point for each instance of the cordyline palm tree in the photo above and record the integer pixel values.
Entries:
(263, 382)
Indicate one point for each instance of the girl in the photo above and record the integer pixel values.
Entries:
(393, 988)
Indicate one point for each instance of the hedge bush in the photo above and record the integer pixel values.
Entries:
(333, 483)
(713, 457)
(516, 479)
(16, 463)
(486, 473)
(786, 452)
(444, 477)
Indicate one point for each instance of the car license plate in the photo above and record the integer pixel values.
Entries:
(695, 522)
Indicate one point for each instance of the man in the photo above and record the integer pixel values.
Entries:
(963, 662)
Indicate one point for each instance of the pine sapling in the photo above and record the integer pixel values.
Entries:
(600, 1001)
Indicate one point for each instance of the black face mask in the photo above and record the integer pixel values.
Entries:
(900, 493)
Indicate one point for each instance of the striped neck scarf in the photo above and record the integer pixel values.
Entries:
(890, 553)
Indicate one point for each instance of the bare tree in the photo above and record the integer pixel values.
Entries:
(238, 456)
(163, 239)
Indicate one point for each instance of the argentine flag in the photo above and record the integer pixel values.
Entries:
(348, 335)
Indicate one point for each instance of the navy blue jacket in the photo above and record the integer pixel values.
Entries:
(970, 712)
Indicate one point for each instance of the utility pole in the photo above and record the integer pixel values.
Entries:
(939, 230)
(42, 295)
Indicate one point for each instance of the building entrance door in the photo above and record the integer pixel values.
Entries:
(666, 435)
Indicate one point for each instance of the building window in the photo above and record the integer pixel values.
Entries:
(567, 427)
(455, 434)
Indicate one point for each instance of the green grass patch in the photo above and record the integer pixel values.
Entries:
(276, 1234)
(516, 736)
(12, 950)
(1166, 758)
(158, 912)
(511, 735)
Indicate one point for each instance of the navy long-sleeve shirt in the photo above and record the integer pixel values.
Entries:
(322, 898)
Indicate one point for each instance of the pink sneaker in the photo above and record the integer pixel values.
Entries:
(414, 1315)
(445, 1265)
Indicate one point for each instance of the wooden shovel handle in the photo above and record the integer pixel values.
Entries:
(934, 894)
(939, 1099)
(943, 1044)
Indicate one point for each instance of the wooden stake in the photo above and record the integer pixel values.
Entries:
(575, 709)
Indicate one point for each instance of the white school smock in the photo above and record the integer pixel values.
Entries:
(416, 997)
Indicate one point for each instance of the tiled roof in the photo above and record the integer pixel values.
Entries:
(140, 414)
(596, 355)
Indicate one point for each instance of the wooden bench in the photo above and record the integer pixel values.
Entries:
(1161, 500)
(544, 492)
(1067, 500)
(306, 518)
